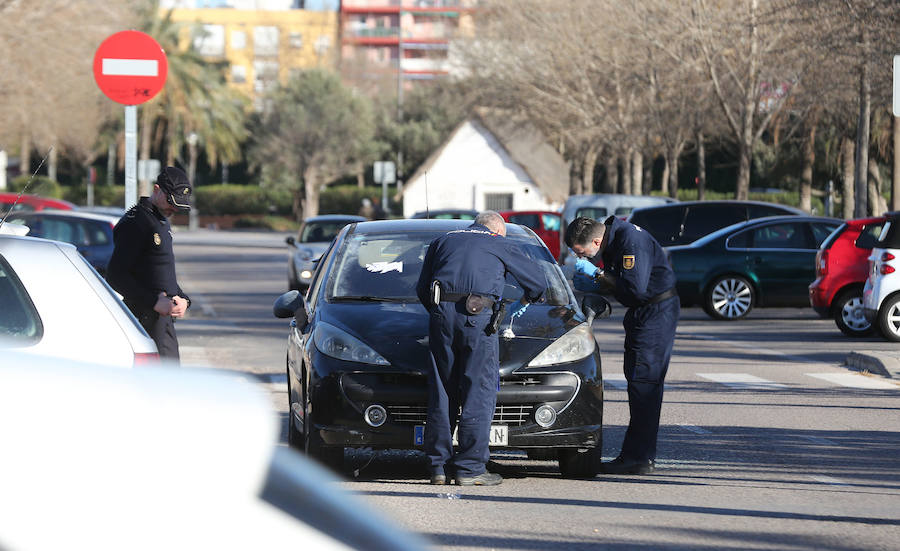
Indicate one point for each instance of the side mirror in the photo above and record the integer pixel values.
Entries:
(289, 240)
(595, 307)
(291, 305)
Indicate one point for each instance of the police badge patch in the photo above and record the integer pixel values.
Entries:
(628, 261)
(157, 241)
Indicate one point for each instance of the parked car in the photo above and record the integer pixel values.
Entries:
(28, 203)
(92, 234)
(358, 347)
(544, 223)
(683, 223)
(881, 293)
(447, 214)
(763, 262)
(842, 266)
(55, 304)
(312, 240)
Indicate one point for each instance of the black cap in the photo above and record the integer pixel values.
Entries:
(174, 183)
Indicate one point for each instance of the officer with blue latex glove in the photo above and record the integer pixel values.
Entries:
(585, 279)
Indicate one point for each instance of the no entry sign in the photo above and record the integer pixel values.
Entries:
(130, 67)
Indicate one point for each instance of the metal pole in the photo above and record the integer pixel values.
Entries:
(399, 104)
(131, 197)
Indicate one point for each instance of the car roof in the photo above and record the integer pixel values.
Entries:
(422, 224)
(423, 213)
(512, 212)
(764, 220)
(7, 197)
(67, 214)
(719, 202)
(334, 218)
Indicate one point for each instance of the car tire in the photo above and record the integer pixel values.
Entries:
(579, 463)
(729, 298)
(848, 314)
(889, 318)
(294, 436)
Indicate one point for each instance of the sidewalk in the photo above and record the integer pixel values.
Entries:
(886, 364)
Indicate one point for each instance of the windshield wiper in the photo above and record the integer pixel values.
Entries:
(367, 298)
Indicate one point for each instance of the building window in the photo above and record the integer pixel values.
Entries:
(238, 74)
(238, 40)
(265, 41)
(322, 45)
(498, 201)
(295, 40)
(265, 77)
(209, 40)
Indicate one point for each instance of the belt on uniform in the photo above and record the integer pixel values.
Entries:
(474, 302)
(662, 296)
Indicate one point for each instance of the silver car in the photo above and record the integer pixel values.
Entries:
(315, 234)
(53, 303)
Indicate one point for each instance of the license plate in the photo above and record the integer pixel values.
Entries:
(499, 436)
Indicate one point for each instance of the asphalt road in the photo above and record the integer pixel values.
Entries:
(766, 440)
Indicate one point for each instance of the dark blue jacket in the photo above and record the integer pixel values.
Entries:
(476, 260)
(638, 261)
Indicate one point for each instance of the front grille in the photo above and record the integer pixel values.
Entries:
(512, 415)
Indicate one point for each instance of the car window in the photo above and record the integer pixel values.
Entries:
(821, 231)
(96, 232)
(704, 219)
(551, 222)
(597, 213)
(63, 230)
(321, 232)
(312, 293)
(19, 321)
(529, 220)
(868, 237)
(663, 223)
(20, 207)
(739, 240)
(786, 235)
(623, 210)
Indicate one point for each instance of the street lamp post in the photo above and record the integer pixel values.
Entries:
(192, 139)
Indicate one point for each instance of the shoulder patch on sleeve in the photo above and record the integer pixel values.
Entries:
(627, 261)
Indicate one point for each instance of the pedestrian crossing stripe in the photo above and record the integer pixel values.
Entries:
(741, 380)
(855, 380)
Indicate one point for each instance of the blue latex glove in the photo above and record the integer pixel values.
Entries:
(584, 283)
(584, 266)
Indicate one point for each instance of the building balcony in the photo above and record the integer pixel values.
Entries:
(396, 6)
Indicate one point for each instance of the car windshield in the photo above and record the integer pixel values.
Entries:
(321, 232)
(386, 267)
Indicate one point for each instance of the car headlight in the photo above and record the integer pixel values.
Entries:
(575, 345)
(339, 344)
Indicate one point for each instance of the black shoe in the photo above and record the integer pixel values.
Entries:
(483, 479)
(439, 479)
(620, 465)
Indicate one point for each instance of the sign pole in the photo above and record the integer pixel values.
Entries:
(131, 191)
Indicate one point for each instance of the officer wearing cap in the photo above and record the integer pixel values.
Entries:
(635, 268)
(142, 266)
(461, 284)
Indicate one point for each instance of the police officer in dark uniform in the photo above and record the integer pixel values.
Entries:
(142, 266)
(636, 270)
(461, 285)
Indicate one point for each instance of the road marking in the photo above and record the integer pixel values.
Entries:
(854, 380)
(130, 67)
(193, 356)
(694, 429)
(818, 440)
(828, 480)
(616, 380)
(741, 380)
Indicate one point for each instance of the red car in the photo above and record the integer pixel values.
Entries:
(30, 203)
(841, 269)
(543, 222)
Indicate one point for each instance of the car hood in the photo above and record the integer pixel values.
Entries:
(399, 331)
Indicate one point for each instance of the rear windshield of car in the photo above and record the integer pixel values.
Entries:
(19, 321)
(321, 232)
(597, 213)
(829, 241)
(387, 266)
(530, 220)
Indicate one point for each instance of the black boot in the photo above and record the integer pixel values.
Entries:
(621, 465)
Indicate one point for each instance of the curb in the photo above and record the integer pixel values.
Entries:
(881, 363)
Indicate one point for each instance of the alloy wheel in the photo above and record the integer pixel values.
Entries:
(730, 298)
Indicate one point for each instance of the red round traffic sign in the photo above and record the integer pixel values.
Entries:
(130, 67)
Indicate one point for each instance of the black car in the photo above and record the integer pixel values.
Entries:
(447, 214)
(358, 353)
(92, 234)
(686, 222)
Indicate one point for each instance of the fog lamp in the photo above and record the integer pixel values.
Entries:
(306, 274)
(375, 416)
(545, 416)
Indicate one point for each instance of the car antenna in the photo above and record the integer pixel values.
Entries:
(28, 183)
(427, 215)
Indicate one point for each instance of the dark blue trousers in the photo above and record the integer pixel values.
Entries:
(462, 389)
(649, 336)
(162, 330)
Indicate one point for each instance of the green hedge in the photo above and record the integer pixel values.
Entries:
(40, 185)
(789, 198)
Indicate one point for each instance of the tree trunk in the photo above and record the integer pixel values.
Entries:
(612, 174)
(664, 182)
(111, 163)
(637, 173)
(144, 187)
(701, 167)
(862, 130)
(53, 162)
(360, 177)
(25, 155)
(574, 179)
(626, 172)
(674, 153)
(648, 179)
(877, 204)
(895, 174)
(587, 169)
(848, 170)
(311, 198)
(806, 174)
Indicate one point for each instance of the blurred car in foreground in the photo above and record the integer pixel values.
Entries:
(763, 262)
(688, 221)
(163, 458)
(55, 304)
(881, 293)
(312, 240)
(544, 223)
(92, 234)
(29, 203)
(842, 266)
(446, 214)
(358, 350)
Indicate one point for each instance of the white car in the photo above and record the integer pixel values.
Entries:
(313, 239)
(881, 294)
(53, 303)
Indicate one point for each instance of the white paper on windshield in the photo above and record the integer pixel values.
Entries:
(385, 267)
